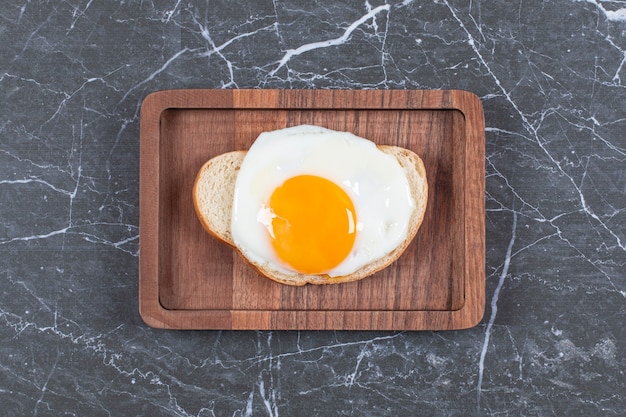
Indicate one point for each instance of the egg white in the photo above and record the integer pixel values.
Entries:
(375, 182)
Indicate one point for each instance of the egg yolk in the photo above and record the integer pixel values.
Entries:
(313, 224)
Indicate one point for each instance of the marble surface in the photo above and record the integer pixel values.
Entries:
(552, 79)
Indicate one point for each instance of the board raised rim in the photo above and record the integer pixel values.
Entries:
(470, 314)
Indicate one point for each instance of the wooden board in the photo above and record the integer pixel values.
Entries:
(188, 280)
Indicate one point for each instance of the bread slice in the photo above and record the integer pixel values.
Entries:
(214, 190)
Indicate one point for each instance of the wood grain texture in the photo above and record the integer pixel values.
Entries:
(188, 280)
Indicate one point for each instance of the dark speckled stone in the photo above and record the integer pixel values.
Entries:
(552, 79)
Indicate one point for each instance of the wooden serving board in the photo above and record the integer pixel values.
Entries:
(188, 280)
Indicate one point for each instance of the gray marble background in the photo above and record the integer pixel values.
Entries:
(552, 79)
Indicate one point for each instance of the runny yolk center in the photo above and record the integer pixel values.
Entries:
(313, 224)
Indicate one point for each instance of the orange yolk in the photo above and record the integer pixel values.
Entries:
(313, 224)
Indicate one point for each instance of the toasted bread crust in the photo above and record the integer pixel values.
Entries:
(213, 193)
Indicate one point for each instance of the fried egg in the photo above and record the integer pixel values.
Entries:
(317, 201)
